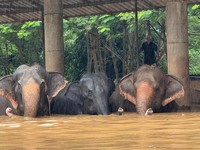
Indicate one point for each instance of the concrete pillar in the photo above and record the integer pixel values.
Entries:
(177, 44)
(53, 26)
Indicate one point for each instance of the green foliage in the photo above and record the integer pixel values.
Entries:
(111, 28)
(20, 43)
(23, 42)
(75, 50)
(194, 42)
(194, 56)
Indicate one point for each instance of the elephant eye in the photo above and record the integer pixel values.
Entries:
(90, 94)
(157, 89)
(43, 86)
(19, 87)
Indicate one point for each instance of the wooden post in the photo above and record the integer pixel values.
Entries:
(54, 45)
(177, 44)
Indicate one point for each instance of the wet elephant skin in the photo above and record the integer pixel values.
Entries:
(149, 87)
(87, 96)
(68, 101)
(30, 89)
(96, 88)
(116, 101)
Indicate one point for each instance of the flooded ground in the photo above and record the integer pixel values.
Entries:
(84, 132)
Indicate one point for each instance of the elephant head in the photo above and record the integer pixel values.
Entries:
(30, 89)
(149, 87)
(68, 101)
(96, 88)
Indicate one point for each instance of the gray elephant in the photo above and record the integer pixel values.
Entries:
(96, 88)
(149, 87)
(87, 96)
(30, 89)
(68, 101)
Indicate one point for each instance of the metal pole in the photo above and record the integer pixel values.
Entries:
(43, 36)
(136, 34)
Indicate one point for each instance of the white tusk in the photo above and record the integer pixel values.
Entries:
(120, 111)
(149, 112)
(9, 112)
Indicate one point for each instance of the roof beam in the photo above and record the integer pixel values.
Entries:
(101, 9)
(7, 9)
(36, 3)
(87, 3)
(13, 18)
(17, 11)
(14, 7)
(147, 2)
(7, 1)
(98, 7)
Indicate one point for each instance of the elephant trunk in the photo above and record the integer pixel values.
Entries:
(30, 98)
(102, 106)
(144, 96)
(104, 110)
(142, 106)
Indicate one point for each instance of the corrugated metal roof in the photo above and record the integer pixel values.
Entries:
(29, 10)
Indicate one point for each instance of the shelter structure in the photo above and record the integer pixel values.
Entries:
(52, 13)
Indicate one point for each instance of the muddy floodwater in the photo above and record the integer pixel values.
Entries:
(84, 132)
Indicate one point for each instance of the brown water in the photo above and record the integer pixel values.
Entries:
(84, 132)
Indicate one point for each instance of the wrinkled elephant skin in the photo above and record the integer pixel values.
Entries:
(87, 96)
(117, 101)
(149, 87)
(30, 88)
(96, 89)
(68, 101)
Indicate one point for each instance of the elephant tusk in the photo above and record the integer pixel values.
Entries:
(149, 112)
(9, 112)
(120, 111)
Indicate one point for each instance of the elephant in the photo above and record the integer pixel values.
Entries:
(96, 88)
(117, 101)
(68, 101)
(30, 89)
(4, 103)
(148, 87)
(89, 95)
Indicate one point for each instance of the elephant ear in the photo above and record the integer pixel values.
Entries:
(55, 83)
(174, 90)
(111, 86)
(126, 88)
(7, 89)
